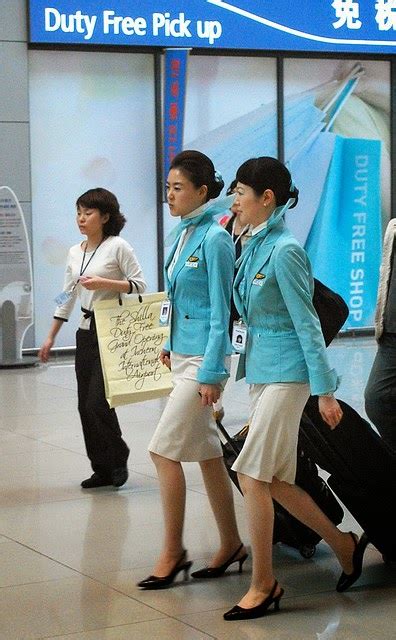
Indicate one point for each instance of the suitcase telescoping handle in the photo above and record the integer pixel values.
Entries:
(227, 437)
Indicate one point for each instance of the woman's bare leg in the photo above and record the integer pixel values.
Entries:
(260, 513)
(219, 489)
(300, 504)
(173, 498)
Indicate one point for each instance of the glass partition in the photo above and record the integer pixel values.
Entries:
(92, 124)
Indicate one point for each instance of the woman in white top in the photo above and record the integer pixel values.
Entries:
(102, 267)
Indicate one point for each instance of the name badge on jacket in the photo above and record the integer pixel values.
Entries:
(192, 262)
(258, 279)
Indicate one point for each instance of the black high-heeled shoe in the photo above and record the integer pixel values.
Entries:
(156, 582)
(216, 572)
(346, 580)
(239, 613)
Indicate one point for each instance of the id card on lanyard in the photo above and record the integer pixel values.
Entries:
(65, 296)
(239, 336)
(165, 312)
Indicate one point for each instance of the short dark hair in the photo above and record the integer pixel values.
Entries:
(268, 173)
(200, 170)
(107, 203)
(232, 186)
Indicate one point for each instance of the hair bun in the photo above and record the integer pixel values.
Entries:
(219, 182)
(293, 193)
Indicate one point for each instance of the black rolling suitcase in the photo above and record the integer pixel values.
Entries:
(362, 470)
(287, 529)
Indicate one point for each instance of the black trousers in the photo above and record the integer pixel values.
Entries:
(380, 392)
(102, 434)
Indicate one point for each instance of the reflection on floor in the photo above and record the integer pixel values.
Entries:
(70, 559)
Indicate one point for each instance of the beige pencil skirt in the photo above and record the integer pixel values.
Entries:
(187, 430)
(270, 449)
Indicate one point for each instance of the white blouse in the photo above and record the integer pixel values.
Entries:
(114, 259)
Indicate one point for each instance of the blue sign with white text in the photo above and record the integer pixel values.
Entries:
(305, 25)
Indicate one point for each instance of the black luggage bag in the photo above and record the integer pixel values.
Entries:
(362, 470)
(288, 529)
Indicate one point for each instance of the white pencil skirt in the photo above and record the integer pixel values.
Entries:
(270, 449)
(187, 430)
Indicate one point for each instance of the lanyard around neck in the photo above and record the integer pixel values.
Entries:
(244, 230)
(84, 268)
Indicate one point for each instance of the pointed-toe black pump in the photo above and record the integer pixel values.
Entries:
(262, 609)
(157, 582)
(347, 580)
(216, 572)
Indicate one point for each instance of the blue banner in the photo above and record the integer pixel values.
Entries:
(306, 25)
(344, 244)
(174, 99)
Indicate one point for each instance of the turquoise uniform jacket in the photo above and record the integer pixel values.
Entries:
(273, 293)
(200, 290)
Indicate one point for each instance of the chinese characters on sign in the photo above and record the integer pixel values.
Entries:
(348, 14)
(386, 14)
(175, 80)
(173, 109)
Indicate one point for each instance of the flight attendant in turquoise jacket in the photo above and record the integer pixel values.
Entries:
(198, 274)
(284, 361)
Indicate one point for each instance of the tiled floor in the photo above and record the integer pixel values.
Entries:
(69, 558)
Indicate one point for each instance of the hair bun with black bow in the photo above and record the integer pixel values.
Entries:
(293, 194)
